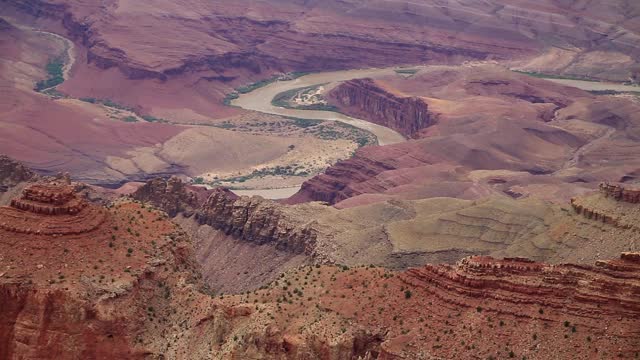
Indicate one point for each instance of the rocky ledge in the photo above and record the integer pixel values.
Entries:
(257, 220)
(252, 219)
(620, 193)
(613, 205)
(612, 288)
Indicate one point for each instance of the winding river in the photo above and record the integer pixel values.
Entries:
(260, 100)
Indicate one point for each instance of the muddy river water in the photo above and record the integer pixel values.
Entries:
(260, 100)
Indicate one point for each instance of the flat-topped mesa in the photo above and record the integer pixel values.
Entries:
(620, 193)
(50, 209)
(611, 287)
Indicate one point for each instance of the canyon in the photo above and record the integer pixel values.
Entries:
(158, 76)
(391, 234)
(553, 145)
(463, 183)
(148, 298)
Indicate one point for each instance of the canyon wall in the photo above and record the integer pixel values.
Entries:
(608, 290)
(251, 219)
(172, 196)
(258, 221)
(364, 99)
(358, 175)
(613, 205)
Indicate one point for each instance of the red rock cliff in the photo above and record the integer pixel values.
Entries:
(362, 98)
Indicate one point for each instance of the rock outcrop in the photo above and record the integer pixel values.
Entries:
(442, 311)
(251, 219)
(50, 209)
(258, 220)
(620, 193)
(81, 288)
(364, 99)
(611, 289)
(172, 196)
(13, 173)
(357, 175)
(613, 204)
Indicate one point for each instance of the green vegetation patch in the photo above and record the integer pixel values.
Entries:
(406, 71)
(262, 83)
(108, 103)
(55, 71)
(285, 100)
(614, 92)
(289, 170)
(149, 118)
(552, 76)
(304, 123)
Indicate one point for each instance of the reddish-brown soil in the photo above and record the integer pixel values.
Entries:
(478, 308)
(66, 286)
(128, 288)
(495, 132)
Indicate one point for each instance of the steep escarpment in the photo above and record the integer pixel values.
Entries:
(364, 99)
(258, 221)
(172, 196)
(251, 219)
(394, 234)
(620, 193)
(615, 205)
(348, 178)
(231, 47)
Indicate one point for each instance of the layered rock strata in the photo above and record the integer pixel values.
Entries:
(620, 193)
(50, 209)
(364, 99)
(613, 204)
(172, 196)
(610, 289)
(257, 220)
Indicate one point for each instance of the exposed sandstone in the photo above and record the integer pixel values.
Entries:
(257, 220)
(364, 99)
(172, 196)
(620, 193)
(465, 311)
(611, 289)
(50, 209)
